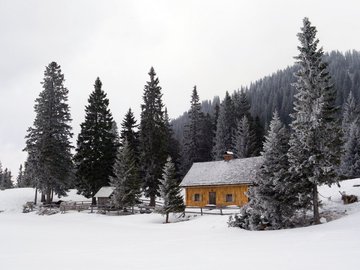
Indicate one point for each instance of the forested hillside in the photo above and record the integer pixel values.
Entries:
(276, 91)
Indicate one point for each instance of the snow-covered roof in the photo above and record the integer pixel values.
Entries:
(104, 192)
(235, 171)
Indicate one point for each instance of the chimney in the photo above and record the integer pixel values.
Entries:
(228, 156)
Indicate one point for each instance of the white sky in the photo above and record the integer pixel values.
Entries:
(217, 45)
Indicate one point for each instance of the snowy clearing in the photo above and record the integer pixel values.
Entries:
(93, 241)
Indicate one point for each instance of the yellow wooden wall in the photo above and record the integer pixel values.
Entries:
(238, 192)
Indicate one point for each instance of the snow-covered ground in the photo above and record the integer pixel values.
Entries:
(93, 241)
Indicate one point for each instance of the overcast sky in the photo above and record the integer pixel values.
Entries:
(216, 45)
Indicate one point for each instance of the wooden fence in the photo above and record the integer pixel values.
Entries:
(212, 210)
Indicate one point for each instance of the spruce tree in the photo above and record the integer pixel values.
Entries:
(349, 122)
(126, 178)
(259, 136)
(20, 177)
(170, 191)
(1, 174)
(172, 145)
(224, 128)
(350, 113)
(192, 140)
(315, 142)
(6, 179)
(350, 162)
(129, 132)
(96, 145)
(241, 105)
(48, 141)
(152, 137)
(244, 139)
(207, 134)
(272, 180)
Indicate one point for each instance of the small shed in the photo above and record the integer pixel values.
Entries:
(220, 183)
(103, 195)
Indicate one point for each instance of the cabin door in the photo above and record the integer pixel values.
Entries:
(212, 198)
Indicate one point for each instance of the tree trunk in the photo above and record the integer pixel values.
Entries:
(35, 200)
(48, 196)
(42, 197)
(152, 201)
(167, 218)
(316, 205)
(93, 201)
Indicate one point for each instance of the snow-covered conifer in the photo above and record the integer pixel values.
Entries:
(170, 191)
(126, 180)
(350, 113)
(315, 142)
(153, 134)
(48, 141)
(244, 139)
(224, 128)
(350, 163)
(191, 143)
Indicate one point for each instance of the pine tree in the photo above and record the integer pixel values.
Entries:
(191, 147)
(314, 145)
(170, 191)
(152, 137)
(244, 139)
(224, 128)
(48, 141)
(96, 145)
(126, 180)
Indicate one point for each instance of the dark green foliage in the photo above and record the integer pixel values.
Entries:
(170, 191)
(5, 179)
(96, 145)
(259, 136)
(153, 147)
(172, 145)
(129, 133)
(224, 128)
(48, 141)
(192, 134)
(20, 177)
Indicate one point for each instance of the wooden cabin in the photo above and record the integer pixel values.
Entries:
(220, 183)
(103, 195)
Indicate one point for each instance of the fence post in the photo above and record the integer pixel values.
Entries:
(221, 210)
(201, 210)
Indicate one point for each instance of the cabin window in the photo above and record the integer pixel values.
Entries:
(229, 198)
(197, 197)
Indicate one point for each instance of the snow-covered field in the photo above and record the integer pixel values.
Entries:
(93, 241)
